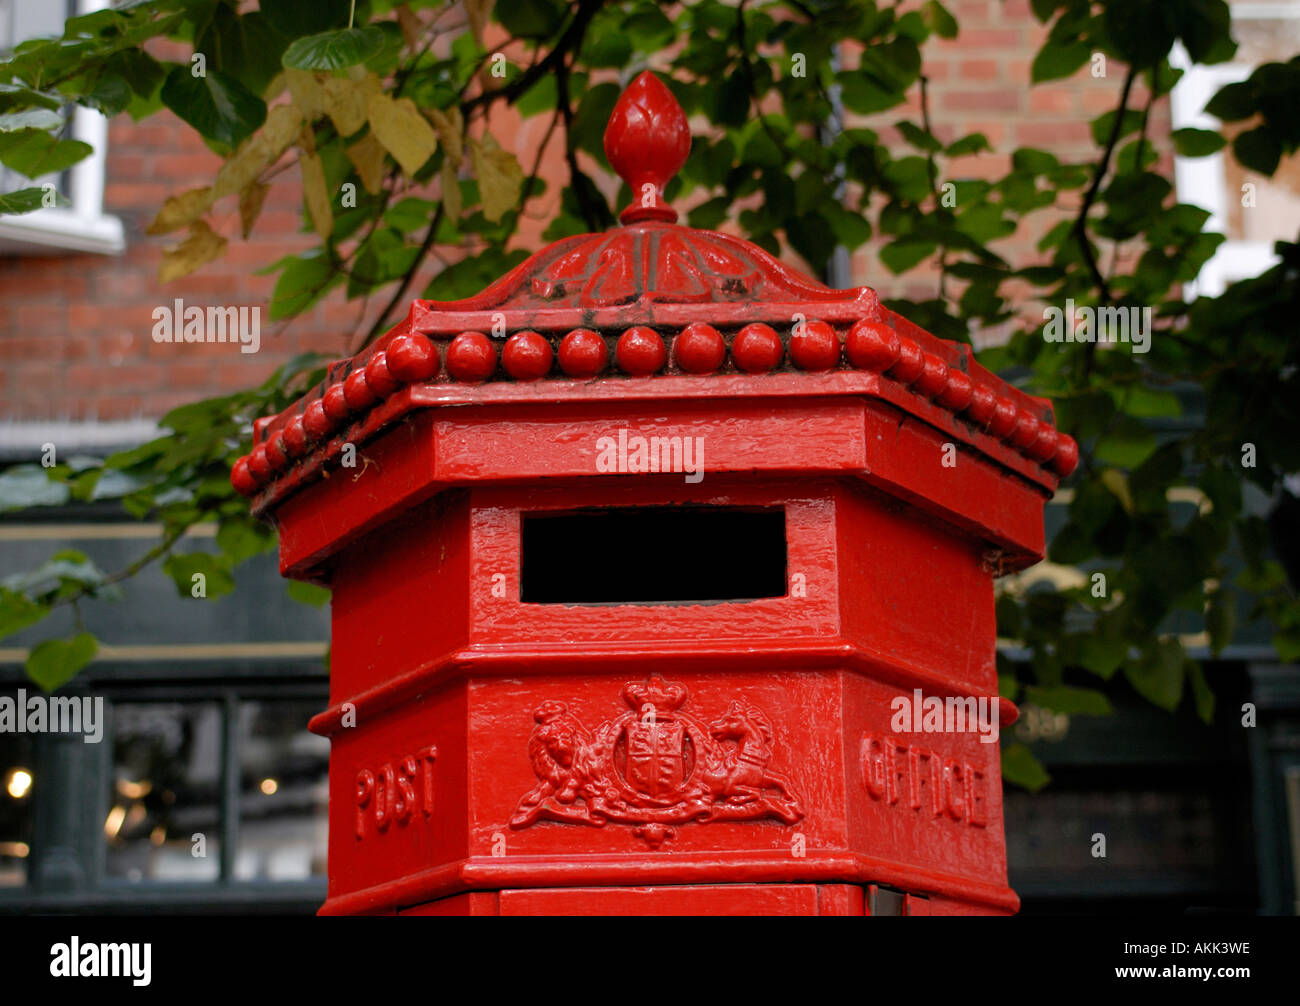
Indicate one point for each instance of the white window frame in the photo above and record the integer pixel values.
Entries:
(1202, 181)
(83, 226)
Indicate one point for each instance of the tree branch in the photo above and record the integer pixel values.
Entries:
(1090, 197)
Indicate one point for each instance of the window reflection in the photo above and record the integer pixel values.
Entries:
(17, 783)
(164, 818)
(283, 793)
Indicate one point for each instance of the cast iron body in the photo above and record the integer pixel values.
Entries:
(493, 754)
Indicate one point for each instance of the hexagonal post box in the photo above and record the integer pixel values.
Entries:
(662, 583)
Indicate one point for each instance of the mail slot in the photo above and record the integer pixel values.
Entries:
(673, 595)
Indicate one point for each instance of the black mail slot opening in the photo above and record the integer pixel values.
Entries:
(653, 555)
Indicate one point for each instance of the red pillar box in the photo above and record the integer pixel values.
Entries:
(644, 560)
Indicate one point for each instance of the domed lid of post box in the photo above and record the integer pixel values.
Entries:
(652, 310)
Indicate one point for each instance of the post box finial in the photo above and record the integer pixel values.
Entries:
(647, 141)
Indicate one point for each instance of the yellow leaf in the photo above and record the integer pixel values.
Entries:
(201, 247)
(278, 83)
(346, 101)
(450, 125)
(499, 176)
(307, 92)
(316, 195)
(181, 210)
(259, 151)
(400, 127)
(251, 198)
(1115, 480)
(478, 16)
(367, 156)
(451, 197)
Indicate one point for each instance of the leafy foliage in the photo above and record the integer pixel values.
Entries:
(383, 101)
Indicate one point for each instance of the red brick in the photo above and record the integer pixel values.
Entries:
(1006, 100)
(980, 69)
(998, 38)
(1053, 100)
(1053, 134)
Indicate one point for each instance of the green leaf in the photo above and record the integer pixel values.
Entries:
(1201, 692)
(1070, 700)
(1220, 620)
(1019, 766)
(1258, 149)
(30, 485)
(1233, 102)
(31, 118)
(852, 229)
(1035, 162)
(811, 236)
(182, 567)
(606, 45)
(334, 50)
(1056, 60)
(34, 153)
(65, 569)
(26, 200)
(591, 118)
(1104, 125)
(308, 593)
(1204, 26)
(1158, 675)
(541, 97)
(709, 214)
(649, 30)
(18, 611)
(217, 105)
(1102, 656)
(900, 256)
(243, 538)
(410, 214)
(305, 280)
(864, 95)
(938, 20)
(893, 66)
(529, 18)
(55, 662)
(294, 18)
(16, 96)
(1142, 31)
(246, 46)
(1197, 142)
(972, 143)
(110, 95)
(918, 137)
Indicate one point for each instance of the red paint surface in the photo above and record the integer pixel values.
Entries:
(495, 756)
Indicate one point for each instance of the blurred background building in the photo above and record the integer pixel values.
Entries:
(207, 748)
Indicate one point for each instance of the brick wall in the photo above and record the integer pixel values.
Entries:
(75, 338)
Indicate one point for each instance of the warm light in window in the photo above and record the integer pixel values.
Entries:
(269, 786)
(113, 823)
(134, 790)
(18, 850)
(158, 835)
(20, 781)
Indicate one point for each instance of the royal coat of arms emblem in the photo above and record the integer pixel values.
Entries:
(655, 766)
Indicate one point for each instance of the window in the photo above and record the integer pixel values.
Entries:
(82, 226)
(1266, 32)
